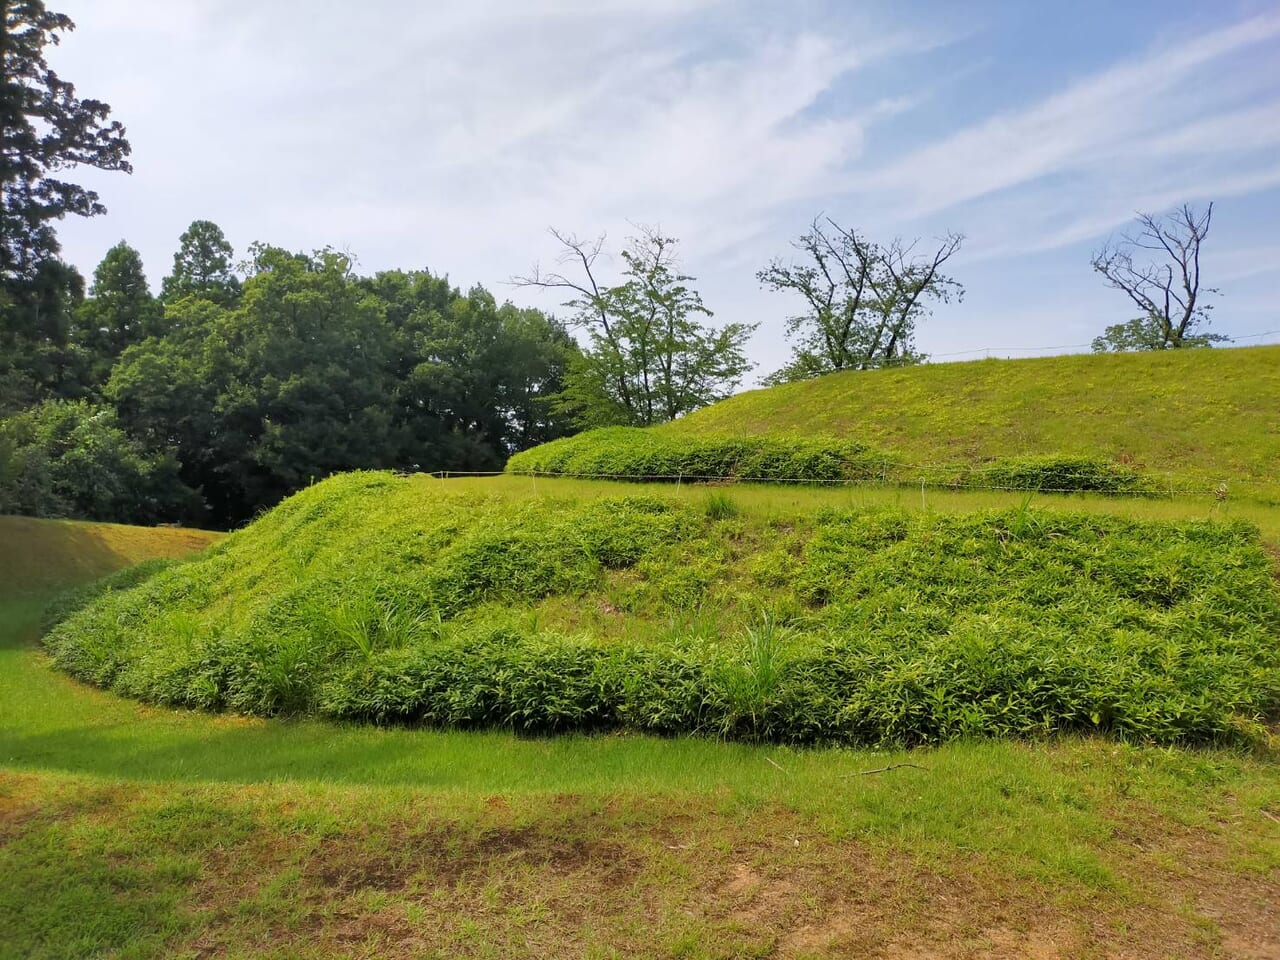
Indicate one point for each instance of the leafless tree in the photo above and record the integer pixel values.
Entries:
(862, 300)
(591, 302)
(1158, 268)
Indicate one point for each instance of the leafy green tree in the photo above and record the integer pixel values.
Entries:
(166, 391)
(475, 379)
(1147, 333)
(37, 357)
(120, 312)
(863, 301)
(649, 358)
(70, 458)
(317, 370)
(539, 352)
(44, 129)
(1158, 269)
(203, 267)
(301, 376)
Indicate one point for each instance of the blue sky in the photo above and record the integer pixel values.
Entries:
(420, 135)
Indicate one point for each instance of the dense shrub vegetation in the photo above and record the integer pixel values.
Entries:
(634, 453)
(1058, 474)
(629, 453)
(1202, 417)
(393, 600)
(72, 459)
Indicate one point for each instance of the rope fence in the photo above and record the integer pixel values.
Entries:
(947, 477)
(997, 351)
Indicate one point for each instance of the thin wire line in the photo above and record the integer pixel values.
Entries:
(1188, 490)
(1079, 346)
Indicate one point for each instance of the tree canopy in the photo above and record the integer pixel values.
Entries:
(317, 370)
(45, 130)
(66, 458)
(203, 266)
(862, 301)
(649, 358)
(120, 312)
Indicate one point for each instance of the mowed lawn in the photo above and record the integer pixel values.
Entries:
(130, 831)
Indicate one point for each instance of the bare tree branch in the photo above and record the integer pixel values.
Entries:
(1168, 291)
(863, 300)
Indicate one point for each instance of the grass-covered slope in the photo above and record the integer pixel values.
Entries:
(396, 600)
(1180, 422)
(38, 554)
(1205, 413)
(144, 833)
(657, 455)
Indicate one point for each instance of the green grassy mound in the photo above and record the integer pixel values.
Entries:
(632, 453)
(655, 454)
(394, 600)
(1184, 420)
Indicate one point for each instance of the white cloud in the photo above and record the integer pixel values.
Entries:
(1126, 114)
(453, 135)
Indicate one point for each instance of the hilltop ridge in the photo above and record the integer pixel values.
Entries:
(1210, 413)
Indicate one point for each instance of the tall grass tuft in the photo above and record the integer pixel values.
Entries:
(751, 681)
(718, 505)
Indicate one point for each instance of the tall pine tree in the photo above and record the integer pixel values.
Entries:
(120, 311)
(202, 267)
(45, 129)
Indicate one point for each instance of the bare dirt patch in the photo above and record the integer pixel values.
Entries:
(562, 876)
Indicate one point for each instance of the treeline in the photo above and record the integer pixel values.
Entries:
(222, 395)
(244, 381)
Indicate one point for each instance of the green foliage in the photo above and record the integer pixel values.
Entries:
(720, 506)
(45, 129)
(370, 597)
(367, 625)
(70, 458)
(72, 600)
(750, 684)
(649, 358)
(632, 453)
(1147, 333)
(38, 358)
(1059, 474)
(314, 371)
(120, 311)
(1204, 416)
(862, 301)
(202, 267)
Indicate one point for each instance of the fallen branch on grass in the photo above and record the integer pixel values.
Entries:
(892, 766)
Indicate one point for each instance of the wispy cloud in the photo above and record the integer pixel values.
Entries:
(1174, 124)
(453, 135)
(459, 133)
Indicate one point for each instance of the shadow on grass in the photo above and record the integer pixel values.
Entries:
(267, 752)
(37, 555)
